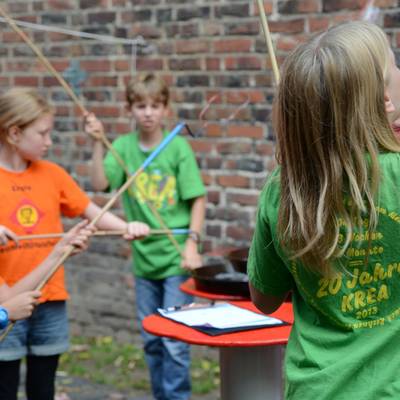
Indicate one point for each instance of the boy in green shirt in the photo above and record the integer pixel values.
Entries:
(173, 185)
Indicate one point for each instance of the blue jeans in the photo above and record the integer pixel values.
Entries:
(45, 333)
(168, 360)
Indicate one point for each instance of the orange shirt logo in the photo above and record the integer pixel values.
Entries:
(26, 215)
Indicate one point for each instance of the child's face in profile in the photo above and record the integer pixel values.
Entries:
(149, 114)
(33, 142)
(393, 89)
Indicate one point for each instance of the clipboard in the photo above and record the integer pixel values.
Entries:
(218, 318)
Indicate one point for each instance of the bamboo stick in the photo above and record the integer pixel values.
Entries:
(103, 233)
(267, 35)
(84, 111)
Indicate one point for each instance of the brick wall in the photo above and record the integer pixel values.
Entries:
(202, 48)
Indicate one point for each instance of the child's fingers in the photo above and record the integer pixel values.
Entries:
(6, 235)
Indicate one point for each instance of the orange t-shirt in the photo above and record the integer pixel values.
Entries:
(33, 202)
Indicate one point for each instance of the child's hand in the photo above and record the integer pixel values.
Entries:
(136, 230)
(78, 236)
(6, 235)
(191, 257)
(93, 126)
(21, 306)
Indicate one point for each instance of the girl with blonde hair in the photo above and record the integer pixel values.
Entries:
(35, 195)
(329, 217)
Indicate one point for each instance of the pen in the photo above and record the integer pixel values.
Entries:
(190, 306)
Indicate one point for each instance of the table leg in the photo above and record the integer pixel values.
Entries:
(251, 373)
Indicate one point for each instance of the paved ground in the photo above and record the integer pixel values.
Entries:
(71, 388)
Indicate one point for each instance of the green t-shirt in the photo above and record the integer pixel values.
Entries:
(344, 341)
(170, 182)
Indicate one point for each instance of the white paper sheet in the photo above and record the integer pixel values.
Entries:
(219, 315)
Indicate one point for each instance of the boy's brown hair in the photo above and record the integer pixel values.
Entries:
(147, 85)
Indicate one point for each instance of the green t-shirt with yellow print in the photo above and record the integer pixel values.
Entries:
(346, 335)
(170, 183)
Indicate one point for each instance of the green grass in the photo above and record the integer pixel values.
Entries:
(105, 361)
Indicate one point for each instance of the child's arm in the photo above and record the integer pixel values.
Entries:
(191, 257)
(109, 221)
(20, 299)
(266, 303)
(77, 236)
(95, 128)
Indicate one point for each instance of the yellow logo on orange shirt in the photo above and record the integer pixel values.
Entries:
(26, 215)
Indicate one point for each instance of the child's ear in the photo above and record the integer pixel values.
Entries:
(13, 134)
(389, 106)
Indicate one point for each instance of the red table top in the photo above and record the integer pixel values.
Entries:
(189, 287)
(160, 326)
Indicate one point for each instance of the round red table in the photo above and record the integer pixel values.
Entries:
(250, 361)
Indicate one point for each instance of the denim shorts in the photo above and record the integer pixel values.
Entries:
(45, 333)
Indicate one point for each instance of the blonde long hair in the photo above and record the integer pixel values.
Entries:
(20, 107)
(331, 125)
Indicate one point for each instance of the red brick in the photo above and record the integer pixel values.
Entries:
(102, 80)
(11, 37)
(211, 28)
(106, 111)
(26, 81)
(201, 146)
(248, 131)
(122, 65)
(192, 46)
(50, 81)
(341, 5)
(265, 149)
(4, 81)
(234, 148)
(232, 45)
(288, 43)
(299, 6)
(213, 64)
(63, 111)
(213, 196)
(267, 7)
(239, 233)
(82, 169)
(254, 96)
(61, 4)
(243, 199)
(147, 31)
(385, 3)
(318, 23)
(207, 179)
(288, 26)
(96, 65)
(213, 130)
(243, 63)
(148, 64)
(233, 181)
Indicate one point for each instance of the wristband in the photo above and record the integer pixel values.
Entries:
(195, 236)
(3, 317)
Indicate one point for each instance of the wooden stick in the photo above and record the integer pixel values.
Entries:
(98, 233)
(111, 202)
(84, 111)
(267, 35)
(43, 59)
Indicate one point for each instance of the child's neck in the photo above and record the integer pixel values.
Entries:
(150, 139)
(11, 160)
